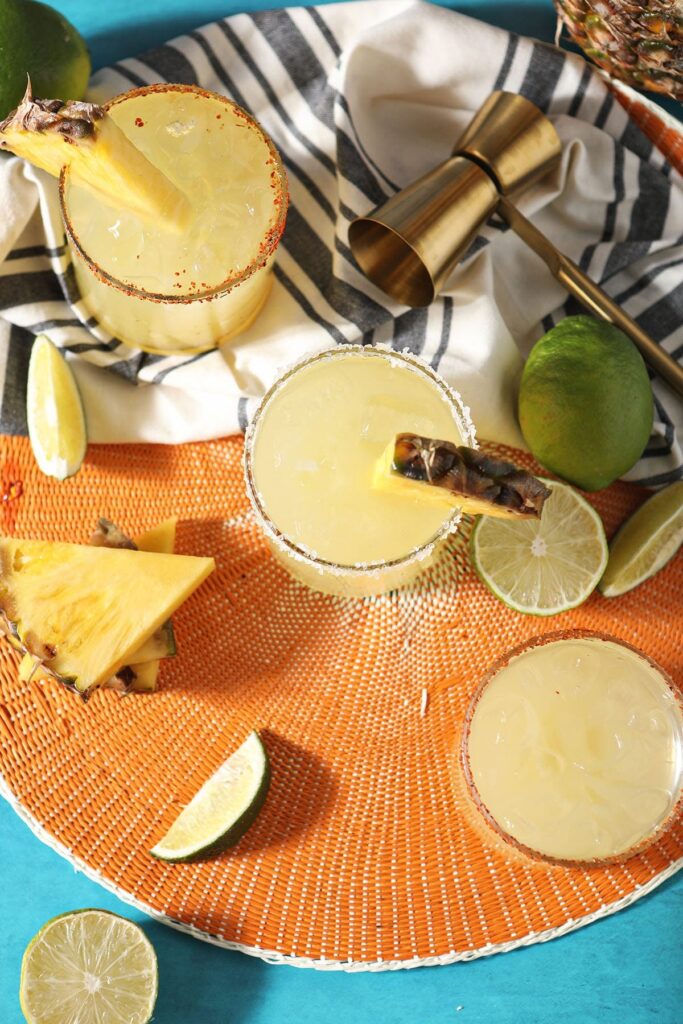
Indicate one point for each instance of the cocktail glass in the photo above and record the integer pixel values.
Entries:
(182, 292)
(310, 454)
(573, 748)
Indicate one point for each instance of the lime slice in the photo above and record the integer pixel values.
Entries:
(546, 566)
(88, 967)
(646, 542)
(223, 809)
(56, 424)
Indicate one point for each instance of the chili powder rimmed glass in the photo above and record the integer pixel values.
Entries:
(365, 576)
(188, 303)
(517, 815)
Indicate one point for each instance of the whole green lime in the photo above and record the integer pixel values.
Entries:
(585, 402)
(37, 40)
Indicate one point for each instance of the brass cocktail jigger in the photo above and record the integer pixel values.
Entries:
(410, 244)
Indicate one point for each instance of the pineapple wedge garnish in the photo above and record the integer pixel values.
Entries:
(54, 135)
(83, 611)
(452, 474)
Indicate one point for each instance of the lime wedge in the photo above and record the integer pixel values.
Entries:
(88, 967)
(546, 566)
(646, 542)
(56, 424)
(223, 809)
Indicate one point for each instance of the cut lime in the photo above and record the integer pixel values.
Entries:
(88, 967)
(646, 542)
(223, 809)
(56, 424)
(546, 566)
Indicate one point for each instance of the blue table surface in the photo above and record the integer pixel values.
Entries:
(627, 968)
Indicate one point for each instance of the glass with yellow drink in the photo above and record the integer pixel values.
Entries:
(167, 290)
(311, 455)
(573, 748)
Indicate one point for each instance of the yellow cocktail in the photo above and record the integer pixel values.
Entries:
(574, 747)
(187, 290)
(311, 455)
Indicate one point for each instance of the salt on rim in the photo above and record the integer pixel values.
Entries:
(299, 552)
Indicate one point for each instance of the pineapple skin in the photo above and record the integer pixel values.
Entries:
(447, 474)
(639, 43)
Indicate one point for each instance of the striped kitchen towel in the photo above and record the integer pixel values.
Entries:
(361, 98)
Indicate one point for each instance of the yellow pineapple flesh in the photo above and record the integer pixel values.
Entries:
(84, 611)
(55, 135)
(161, 539)
(142, 673)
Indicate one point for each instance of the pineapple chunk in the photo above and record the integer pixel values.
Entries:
(53, 135)
(456, 476)
(84, 611)
(161, 644)
(145, 677)
(161, 539)
(141, 675)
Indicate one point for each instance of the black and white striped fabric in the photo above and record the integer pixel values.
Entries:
(361, 98)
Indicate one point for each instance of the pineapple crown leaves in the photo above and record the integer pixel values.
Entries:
(470, 473)
(73, 119)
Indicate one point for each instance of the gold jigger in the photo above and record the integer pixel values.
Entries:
(409, 245)
(513, 141)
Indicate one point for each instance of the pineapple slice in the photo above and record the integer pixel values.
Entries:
(84, 611)
(161, 644)
(161, 539)
(53, 135)
(440, 471)
(141, 674)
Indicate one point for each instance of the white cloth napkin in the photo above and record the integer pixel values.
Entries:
(361, 98)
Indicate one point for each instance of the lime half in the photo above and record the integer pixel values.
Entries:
(56, 424)
(546, 566)
(88, 967)
(646, 542)
(223, 809)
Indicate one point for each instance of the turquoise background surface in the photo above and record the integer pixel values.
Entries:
(626, 969)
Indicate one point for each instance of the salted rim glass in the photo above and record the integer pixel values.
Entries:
(299, 552)
(271, 237)
(501, 663)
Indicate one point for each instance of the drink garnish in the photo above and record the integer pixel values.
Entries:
(54, 134)
(546, 565)
(475, 482)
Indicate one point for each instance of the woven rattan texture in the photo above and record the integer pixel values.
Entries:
(367, 849)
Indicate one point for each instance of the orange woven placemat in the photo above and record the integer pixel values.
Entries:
(366, 853)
